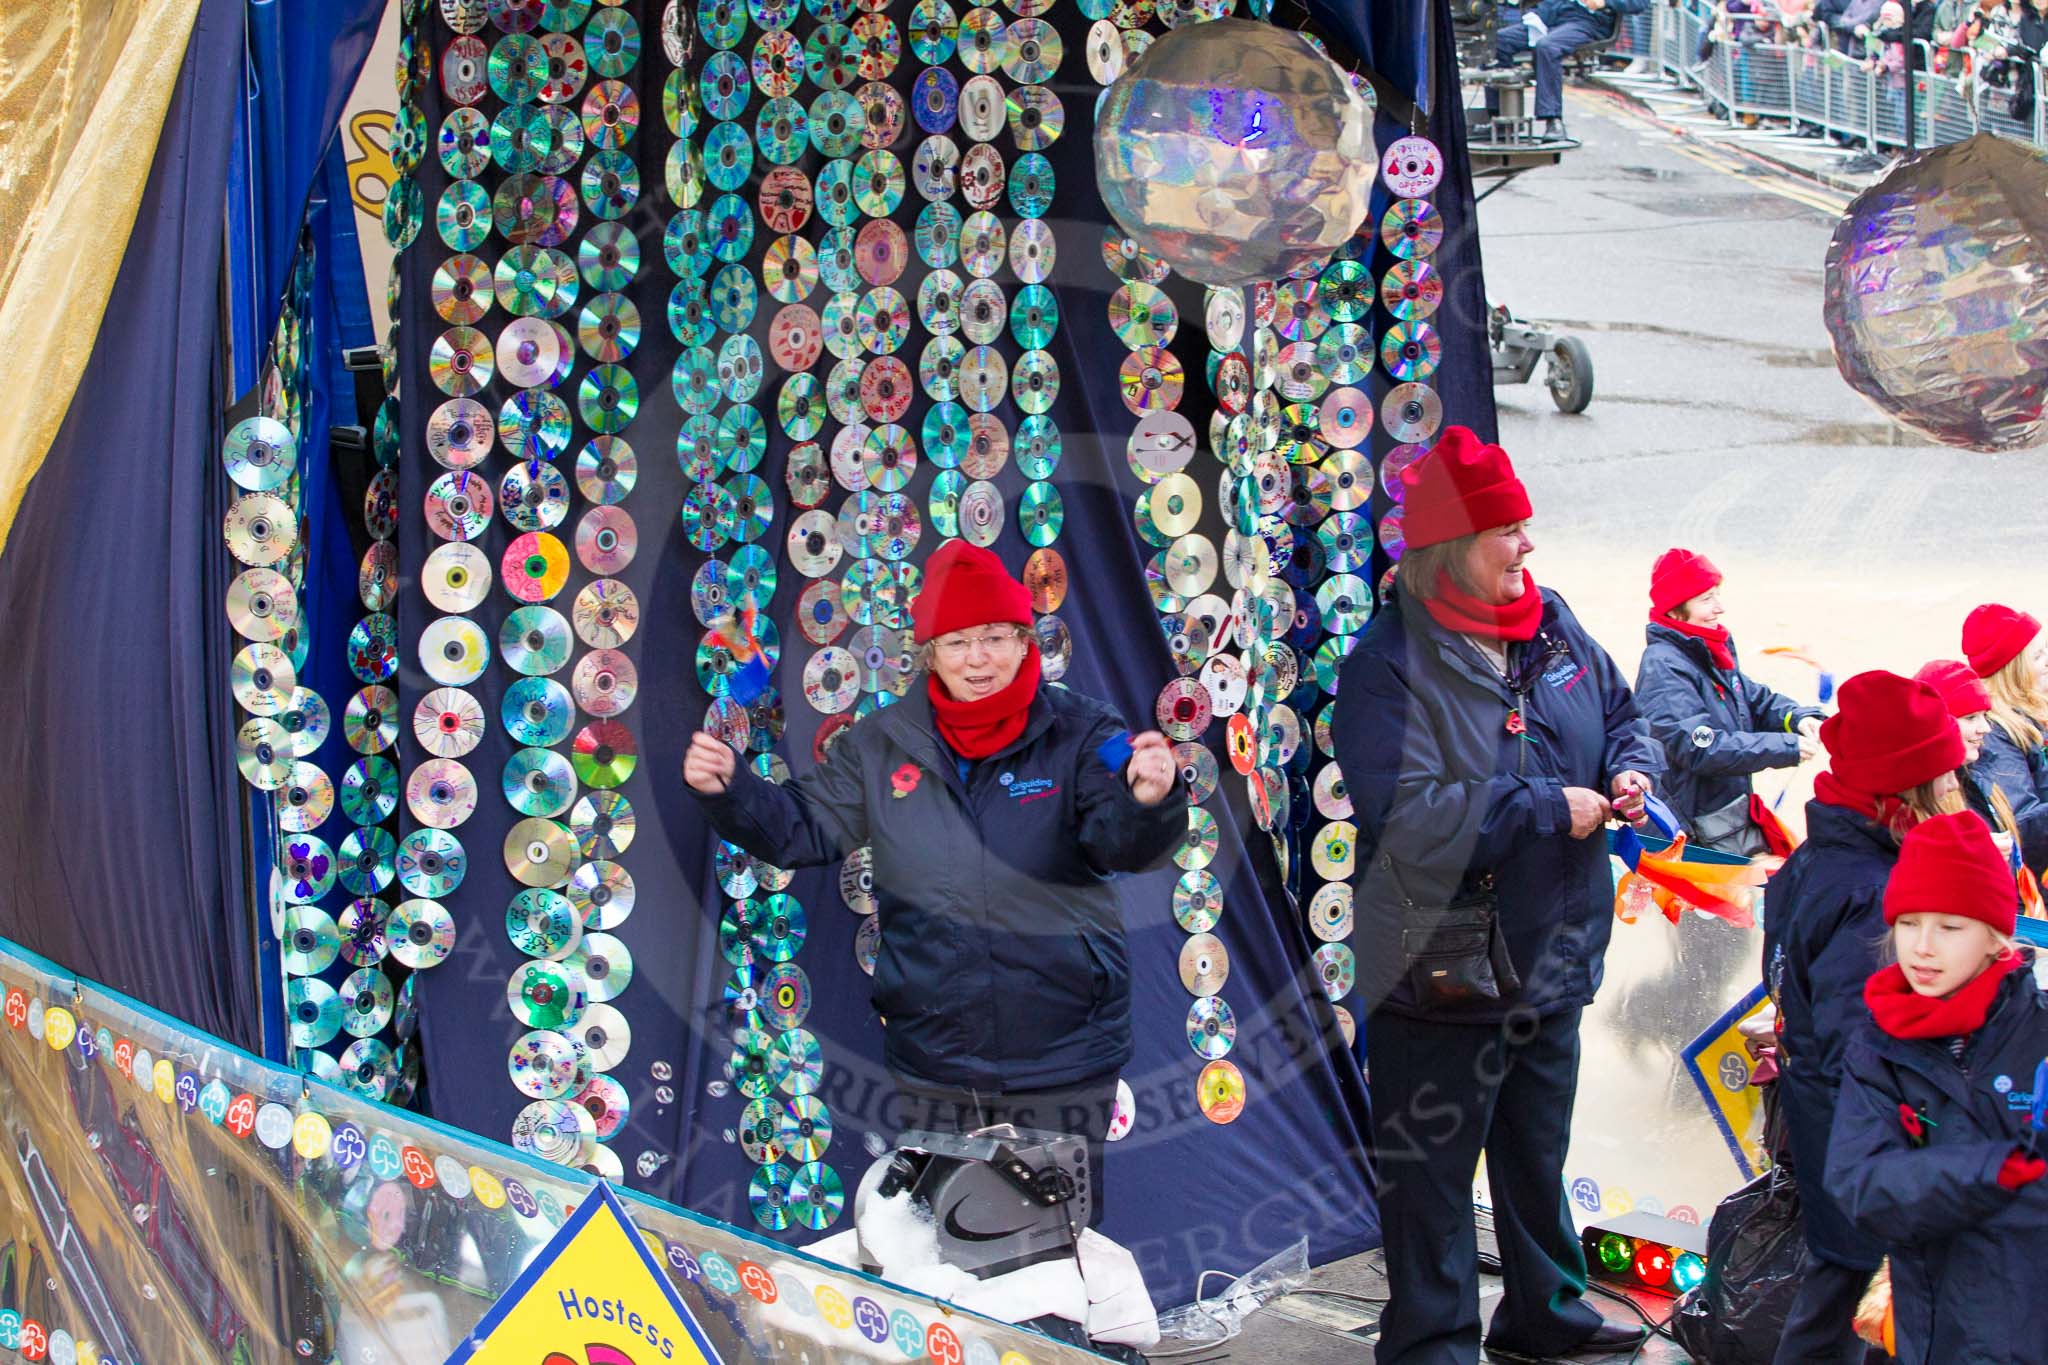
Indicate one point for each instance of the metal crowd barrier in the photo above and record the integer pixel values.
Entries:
(1833, 92)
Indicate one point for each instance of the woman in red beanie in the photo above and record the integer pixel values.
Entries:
(1717, 725)
(1969, 701)
(997, 811)
(1485, 739)
(1933, 1153)
(1893, 751)
(2009, 652)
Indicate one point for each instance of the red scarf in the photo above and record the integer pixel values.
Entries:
(1885, 810)
(1902, 1013)
(1715, 638)
(976, 729)
(1456, 609)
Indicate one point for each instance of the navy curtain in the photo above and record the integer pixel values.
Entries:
(127, 828)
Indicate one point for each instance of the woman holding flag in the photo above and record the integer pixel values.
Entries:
(1716, 724)
(1893, 751)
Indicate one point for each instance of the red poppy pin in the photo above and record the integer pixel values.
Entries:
(905, 780)
(1516, 725)
(1915, 1123)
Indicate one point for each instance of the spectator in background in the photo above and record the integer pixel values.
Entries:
(1950, 41)
(1969, 701)
(2010, 653)
(1552, 31)
(1840, 20)
(2023, 54)
(1990, 34)
(1716, 724)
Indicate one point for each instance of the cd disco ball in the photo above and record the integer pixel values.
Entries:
(1937, 294)
(1235, 152)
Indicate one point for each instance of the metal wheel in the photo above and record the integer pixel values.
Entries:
(1569, 376)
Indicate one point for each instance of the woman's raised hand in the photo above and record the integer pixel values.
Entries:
(709, 764)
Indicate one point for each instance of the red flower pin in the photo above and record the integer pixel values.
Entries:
(1910, 1120)
(905, 780)
(1516, 725)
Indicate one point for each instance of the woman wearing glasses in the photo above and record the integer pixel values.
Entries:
(1485, 739)
(997, 810)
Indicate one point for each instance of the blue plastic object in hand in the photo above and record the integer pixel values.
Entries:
(2039, 1117)
(1115, 751)
(1661, 816)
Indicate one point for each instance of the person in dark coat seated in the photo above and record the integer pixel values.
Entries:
(1559, 28)
(1485, 739)
(1893, 750)
(998, 810)
(1933, 1152)
(1717, 725)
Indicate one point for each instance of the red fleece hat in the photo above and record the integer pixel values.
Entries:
(1993, 636)
(1958, 685)
(1462, 486)
(1949, 866)
(1679, 576)
(1890, 735)
(966, 586)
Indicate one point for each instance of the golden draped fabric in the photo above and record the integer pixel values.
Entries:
(84, 86)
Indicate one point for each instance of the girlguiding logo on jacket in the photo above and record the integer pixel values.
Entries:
(1029, 789)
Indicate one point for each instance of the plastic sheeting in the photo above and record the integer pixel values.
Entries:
(164, 1195)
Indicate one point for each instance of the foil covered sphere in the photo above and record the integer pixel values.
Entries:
(1235, 152)
(1937, 294)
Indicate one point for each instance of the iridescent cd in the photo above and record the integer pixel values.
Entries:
(768, 1196)
(458, 505)
(981, 176)
(542, 1064)
(309, 941)
(307, 720)
(1412, 229)
(796, 337)
(542, 923)
(313, 1012)
(262, 680)
(459, 433)
(831, 680)
(1212, 1028)
(547, 995)
(560, 1131)
(262, 606)
(1334, 850)
(1183, 710)
(465, 141)
(608, 329)
(260, 453)
(606, 540)
(837, 123)
(537, 711)
(366, 999)
(980, 513)
(538, 782)
(454, 651)
(606, 965)
(934, 170)
(377, 579)
(463, 216)
(816, 1195)
(1411, 350)
(260, 529)
(603, 824)
(421, 934)
(1198, 900)
(1031, 51)
(604, 682)
(1040, 514)
(1204, 965)
(1410, 413)
(1346, 538)
(606, 613)
(604, 754)
(813, 543)
(369, 790)
(1106, 56)
(535, 641)
(937, 235)
(607, 470)
(1036, 117)
(431, 862)
(441, 793)
(1344, 353)
(1345, 603)
(981, 108)
(605, 1034)
(1330, 912)
(1151, 378)
(984, 379)
(885, 394)
(602, 894)
(1336, 968)
(881, 251)
(305, 793)
(456, 578)
(608, 1104)
(539, 852)
(1412, 290)
(609, 256)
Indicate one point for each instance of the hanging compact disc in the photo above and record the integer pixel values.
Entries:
(460, 433)
(260, 453)
(366, 1001)
(1336, 968)
(1204, 965)
(1211, 1027)
(546, 994)
(542, 923)
(421, 933)
(260, 529)
(454, 651)
(456, 578)
(606, 965)
(1412, 167)
(535, 640)
(441, 793)
(262, 680)
(538, 782)
(1198, 901)
(1411, 412)
(1412, 229)
(606, 540)
(539, 852)
(1183, 709)
(542, 1064)
(608, 1104)
(1330, 912)
(560, 1131)
(602, 894)
(604, 754)
(1333, 850)
(1197, 849)
(312, 1012)
(1412, 290)
(309, 942)
(448, 722)
(605, 1035)
(1411, 350)
(1219, 1091)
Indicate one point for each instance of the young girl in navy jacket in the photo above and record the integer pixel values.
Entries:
(1934, 1149)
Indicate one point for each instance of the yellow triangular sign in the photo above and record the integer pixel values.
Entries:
(593, 1296)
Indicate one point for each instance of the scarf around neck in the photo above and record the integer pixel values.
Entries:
(1458, 610)
(1885, 809)
(976, 729)
(1903, 1013)
(1720, 646)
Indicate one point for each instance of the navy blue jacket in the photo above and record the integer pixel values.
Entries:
(1444, 794)
(1823, 937)
(1002, 963)
(1602, 21)
(1717, 726)
(1966, 1253)
(2023, 777)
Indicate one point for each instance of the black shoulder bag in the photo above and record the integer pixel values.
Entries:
(1455, 955)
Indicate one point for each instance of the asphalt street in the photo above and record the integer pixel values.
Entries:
(1719, 420)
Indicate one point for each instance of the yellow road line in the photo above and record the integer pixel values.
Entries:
(1716, 157)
